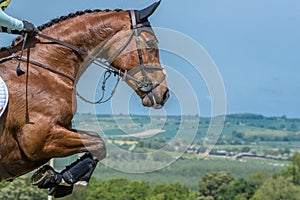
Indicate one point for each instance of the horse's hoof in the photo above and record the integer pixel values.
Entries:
(46, 177)
(60, 191)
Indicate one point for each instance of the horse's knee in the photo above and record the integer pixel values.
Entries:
(100, 150)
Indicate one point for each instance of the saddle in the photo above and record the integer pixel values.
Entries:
(3, 102)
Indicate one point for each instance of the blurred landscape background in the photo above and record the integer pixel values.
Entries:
(254, 48)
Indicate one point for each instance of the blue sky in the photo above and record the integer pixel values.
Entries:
(255, 45)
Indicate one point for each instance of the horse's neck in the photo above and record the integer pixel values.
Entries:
(84, 32)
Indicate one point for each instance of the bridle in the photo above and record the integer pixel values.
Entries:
(143, 84)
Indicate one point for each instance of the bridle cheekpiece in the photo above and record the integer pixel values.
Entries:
(144, 83)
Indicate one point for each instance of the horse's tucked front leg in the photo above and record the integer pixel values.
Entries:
(62, 142)
(61, 183)
(58, 142)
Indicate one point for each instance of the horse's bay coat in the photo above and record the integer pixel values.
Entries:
(37, 124)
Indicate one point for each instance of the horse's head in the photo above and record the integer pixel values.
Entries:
(135, 51)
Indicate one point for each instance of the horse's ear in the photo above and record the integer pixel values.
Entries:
(142, 15)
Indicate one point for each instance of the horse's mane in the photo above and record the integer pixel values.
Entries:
(65, 17)
(71, 15)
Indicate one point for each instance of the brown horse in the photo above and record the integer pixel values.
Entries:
(37, 123)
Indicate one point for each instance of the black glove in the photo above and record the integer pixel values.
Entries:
(29, 28)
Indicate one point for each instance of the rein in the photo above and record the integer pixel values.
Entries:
(97, 61)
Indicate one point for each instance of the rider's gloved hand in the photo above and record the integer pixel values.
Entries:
(29, 28)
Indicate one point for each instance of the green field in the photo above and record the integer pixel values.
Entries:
(188, 170)
(252, 156)
(274, 139)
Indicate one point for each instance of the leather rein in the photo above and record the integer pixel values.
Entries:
(144, 84)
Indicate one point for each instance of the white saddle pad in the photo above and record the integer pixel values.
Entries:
(3, 96)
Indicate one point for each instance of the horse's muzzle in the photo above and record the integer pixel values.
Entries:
(155, 100)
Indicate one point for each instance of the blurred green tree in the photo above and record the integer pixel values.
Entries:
(173, 191)
(210, 184)
(279, 188)
(21, 189)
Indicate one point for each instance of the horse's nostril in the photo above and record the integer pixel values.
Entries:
(166, 95)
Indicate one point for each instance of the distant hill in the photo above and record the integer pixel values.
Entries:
(245, 126)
